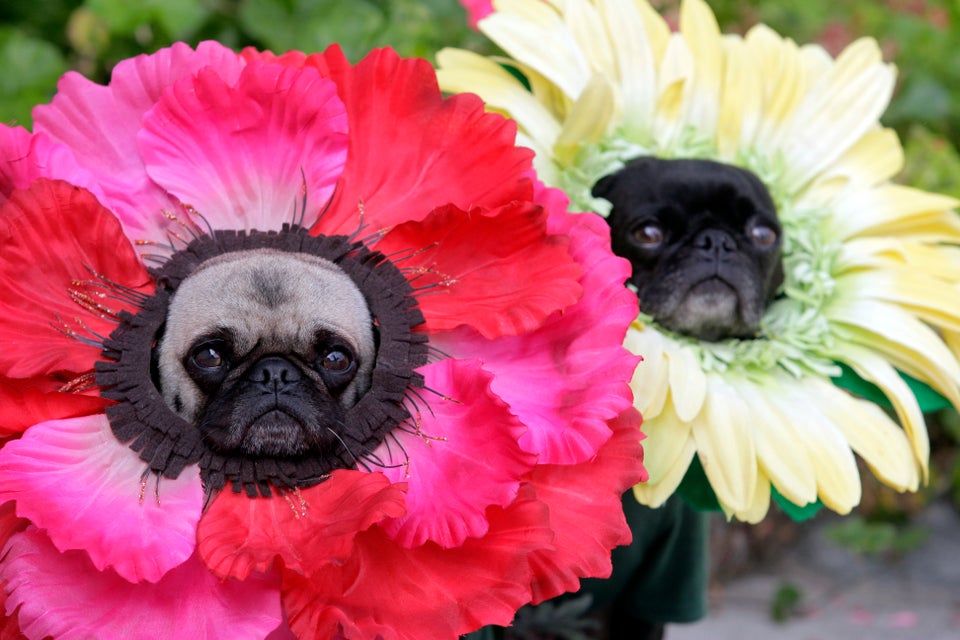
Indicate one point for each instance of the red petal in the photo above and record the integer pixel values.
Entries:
(52, 237)
(585, 510)
(426, 592)
(35, 400)
(411, 150)
(566, 379)
(463, 458)
(500, 265)
(305, 529)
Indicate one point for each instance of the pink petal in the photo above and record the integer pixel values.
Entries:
(24, 157)
(100, 124)
(244, 154)
(587, 493)
(73, 478)
(388, 591)
(499, 264)
(568, 378)
(305, 529)
(62, 595)
(411, 150)
(55, 240)
(463, 458)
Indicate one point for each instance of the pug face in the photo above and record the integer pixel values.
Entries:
(704, 242)
(264, 351)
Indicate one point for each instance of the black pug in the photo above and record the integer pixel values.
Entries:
(703, 239)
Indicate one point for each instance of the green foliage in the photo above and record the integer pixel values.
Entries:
(31, 67)
(785, 602)
(871, 537)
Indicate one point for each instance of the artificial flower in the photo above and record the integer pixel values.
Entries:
(871, 266)
(499, 419)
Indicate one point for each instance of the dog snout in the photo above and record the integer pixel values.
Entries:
(274, 374)
(714, 242)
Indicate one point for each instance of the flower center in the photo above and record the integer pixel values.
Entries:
(267, 358)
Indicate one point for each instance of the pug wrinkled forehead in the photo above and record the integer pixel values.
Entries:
(264, 350)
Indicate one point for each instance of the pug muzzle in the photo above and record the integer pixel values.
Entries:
(704, 242)
(264, 351)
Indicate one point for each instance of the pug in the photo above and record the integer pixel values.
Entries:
(704, 241)
(264, 351)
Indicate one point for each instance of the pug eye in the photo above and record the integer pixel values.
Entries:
(648, 236)
(336, 360)
(208, 356)
(762, 235)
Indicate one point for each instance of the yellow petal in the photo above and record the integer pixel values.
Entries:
(676, 71)
(702, 35)
(838, 479)
(872, 435)
(586, 26)
(688, 383)
(464, 71)
(894, 253)
(776, 58)
(890, 210)
(873, 159)
(725, 444)
(522, 28)
(741, 103)
(655, 494)
(666, 445)
(635, 47)
(846, 104)
(909, 345)
(588, 120)
(651, 377)
(780, 449)
(932, 300)
(873, 368)
(759, 504)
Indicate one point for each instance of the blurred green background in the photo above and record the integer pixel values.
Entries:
(40, 40)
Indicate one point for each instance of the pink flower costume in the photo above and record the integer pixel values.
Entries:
(482, 471)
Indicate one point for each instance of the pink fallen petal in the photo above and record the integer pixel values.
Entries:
(904, 619)
(62, 595)
(861, 616)
(461, 458)
(100, 124)
(74, 479)
(250, 154)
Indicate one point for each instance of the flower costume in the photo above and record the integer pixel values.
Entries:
(499, 416)
(871, 266)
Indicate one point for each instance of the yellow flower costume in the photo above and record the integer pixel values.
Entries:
(871, 269)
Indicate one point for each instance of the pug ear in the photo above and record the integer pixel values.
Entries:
(605, 185)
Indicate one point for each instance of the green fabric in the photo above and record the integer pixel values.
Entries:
(662, 575)
(928, 399)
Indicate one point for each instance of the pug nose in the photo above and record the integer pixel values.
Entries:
(274, 373)
(715, 242)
